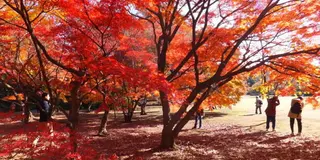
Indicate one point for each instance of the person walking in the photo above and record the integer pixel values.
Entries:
(198, 117)
(258, 104)
(295, 113)
(271, 112)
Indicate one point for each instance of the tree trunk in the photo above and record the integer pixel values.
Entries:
(26, 113)
(128, 116)
(165, 108)
(167, 138)
(89, 107)
(135, 103)
(75, 104)
(174, 126)
(74, 114)
(103, 125)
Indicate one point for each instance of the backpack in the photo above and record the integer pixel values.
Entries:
(296, 108)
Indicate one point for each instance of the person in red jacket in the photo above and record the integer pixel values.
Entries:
(271, 112)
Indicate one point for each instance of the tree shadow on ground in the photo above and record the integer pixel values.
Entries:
(238, 144)
(91, 121)
(126, 142)
(214, 114)
(215, 142)
(247, 115)
(227, 143)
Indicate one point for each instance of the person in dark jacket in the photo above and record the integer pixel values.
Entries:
(44, 108)
(271, 112)
(295, 113)
(198, 117)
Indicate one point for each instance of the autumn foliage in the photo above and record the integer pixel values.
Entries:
(193, 53)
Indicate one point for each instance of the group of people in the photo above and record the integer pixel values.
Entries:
(294, 113)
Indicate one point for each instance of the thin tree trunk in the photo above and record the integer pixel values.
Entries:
(89, 107)
(135, 103)
(26, 113)
(103, 124)
(128, 116)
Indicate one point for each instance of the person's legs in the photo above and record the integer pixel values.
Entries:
(260, 110)
(200, 121)
(268, 121)
(273, 120)
(257, 109)
(292, 125)
(50, 126)
(299, 126)
(142, 110)
(196, 121)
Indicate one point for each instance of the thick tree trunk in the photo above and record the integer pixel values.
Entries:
(75, 105)
(74, 114)
(127, 118)
(174, 126)
(165, 108)
(167, 138)
(103, 124)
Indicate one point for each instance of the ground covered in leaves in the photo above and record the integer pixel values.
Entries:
(226, 134)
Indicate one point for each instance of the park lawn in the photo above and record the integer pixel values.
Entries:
(235, 133)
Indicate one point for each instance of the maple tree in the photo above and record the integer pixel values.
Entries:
(204, 49)
(213, 42)
(76, 42)
(21, 75)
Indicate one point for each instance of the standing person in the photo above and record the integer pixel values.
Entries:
(44, 108)
(295, 113)
(271, 112)
(198, 117)
(142, 104)
(258, 104)
(44, 113)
